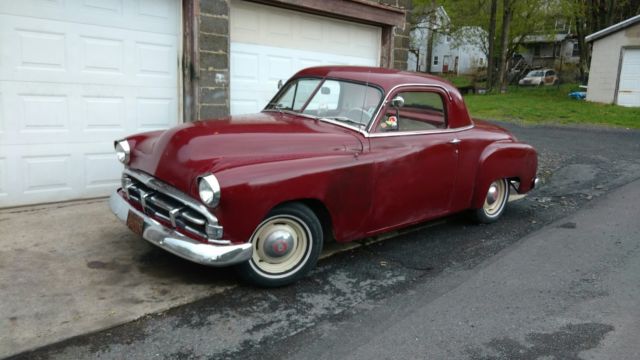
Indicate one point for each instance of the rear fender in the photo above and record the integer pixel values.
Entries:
(505, 159)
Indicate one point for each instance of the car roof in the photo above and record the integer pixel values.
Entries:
(384, 77)
(387, 79)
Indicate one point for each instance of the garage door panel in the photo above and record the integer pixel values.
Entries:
(53, 51)
(68, 113)
(245, 66)
(270, 44)
(245, 106)
(106, 113)
(40, 173)
(280, 67)
(74, 76)
(629, 86)
(102, 55)
(46, 113)
(270, 26)
(156, 59)
(159, 16)
(47, 173)
(101, 172)
(256, 70)
(155, 113)
(40, 49)
(4, 175)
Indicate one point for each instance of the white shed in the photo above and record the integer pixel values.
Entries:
(614, 75)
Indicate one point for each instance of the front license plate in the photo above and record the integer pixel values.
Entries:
(135, 223)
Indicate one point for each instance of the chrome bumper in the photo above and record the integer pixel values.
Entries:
(179, 244)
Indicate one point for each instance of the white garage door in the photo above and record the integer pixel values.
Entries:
(74, 76)
(270, 44)
(629, 87)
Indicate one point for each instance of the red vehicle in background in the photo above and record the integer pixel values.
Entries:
(340, 153)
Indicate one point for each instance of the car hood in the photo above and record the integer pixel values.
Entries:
(180, 154)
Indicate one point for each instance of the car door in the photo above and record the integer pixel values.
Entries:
(416, 158)
(548, 77)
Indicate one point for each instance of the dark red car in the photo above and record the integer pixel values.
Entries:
(339, 153)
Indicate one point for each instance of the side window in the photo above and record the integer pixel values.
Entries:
(422, 110)
(435, 60)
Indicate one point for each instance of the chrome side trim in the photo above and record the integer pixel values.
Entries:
(179, 244)
(422, 132)
(393, 89)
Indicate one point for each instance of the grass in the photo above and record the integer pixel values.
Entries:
(549, 105)
(458, 80)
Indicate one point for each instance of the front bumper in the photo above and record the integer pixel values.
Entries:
(179, 244)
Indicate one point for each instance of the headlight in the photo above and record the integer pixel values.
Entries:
(209, 190)
(122, 151)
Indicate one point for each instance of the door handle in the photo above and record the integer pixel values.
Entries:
(454, 141)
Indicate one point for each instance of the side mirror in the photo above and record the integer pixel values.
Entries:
(397, 102)
(280, 84)
(325, 90)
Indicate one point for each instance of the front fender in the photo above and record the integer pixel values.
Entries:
(505, 159)
(341, 182)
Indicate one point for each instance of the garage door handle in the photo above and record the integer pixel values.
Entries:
(454, 141)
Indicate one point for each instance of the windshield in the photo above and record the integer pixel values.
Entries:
(536, 73)
(349, 103)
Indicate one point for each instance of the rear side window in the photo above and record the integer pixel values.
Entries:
(422, 110)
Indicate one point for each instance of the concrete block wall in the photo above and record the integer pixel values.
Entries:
(213, 46)
(401, 38)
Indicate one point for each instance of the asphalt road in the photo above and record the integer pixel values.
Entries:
(558, 276)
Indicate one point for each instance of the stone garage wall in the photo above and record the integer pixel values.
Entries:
(213, 46)
(401, 36)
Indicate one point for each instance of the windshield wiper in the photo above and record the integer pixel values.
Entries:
(347, 120)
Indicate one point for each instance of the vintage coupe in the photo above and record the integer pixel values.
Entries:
(340, 153)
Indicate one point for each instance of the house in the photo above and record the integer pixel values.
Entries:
(460, 52)
(550, 51)
(614, 74)
(77, 74)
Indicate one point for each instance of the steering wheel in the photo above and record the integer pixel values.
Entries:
(358, 114)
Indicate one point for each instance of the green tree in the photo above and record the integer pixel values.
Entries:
(525, 18)
(590, 16)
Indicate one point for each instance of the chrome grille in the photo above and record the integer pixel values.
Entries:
(163, 202)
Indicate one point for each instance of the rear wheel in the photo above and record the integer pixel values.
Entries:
(495, 202)
(286, 246)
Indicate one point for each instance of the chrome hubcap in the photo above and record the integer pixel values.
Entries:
(492, 195)
(496, 197)
(278, 243)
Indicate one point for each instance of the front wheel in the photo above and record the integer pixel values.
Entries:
(286, 246)
(494, 203)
